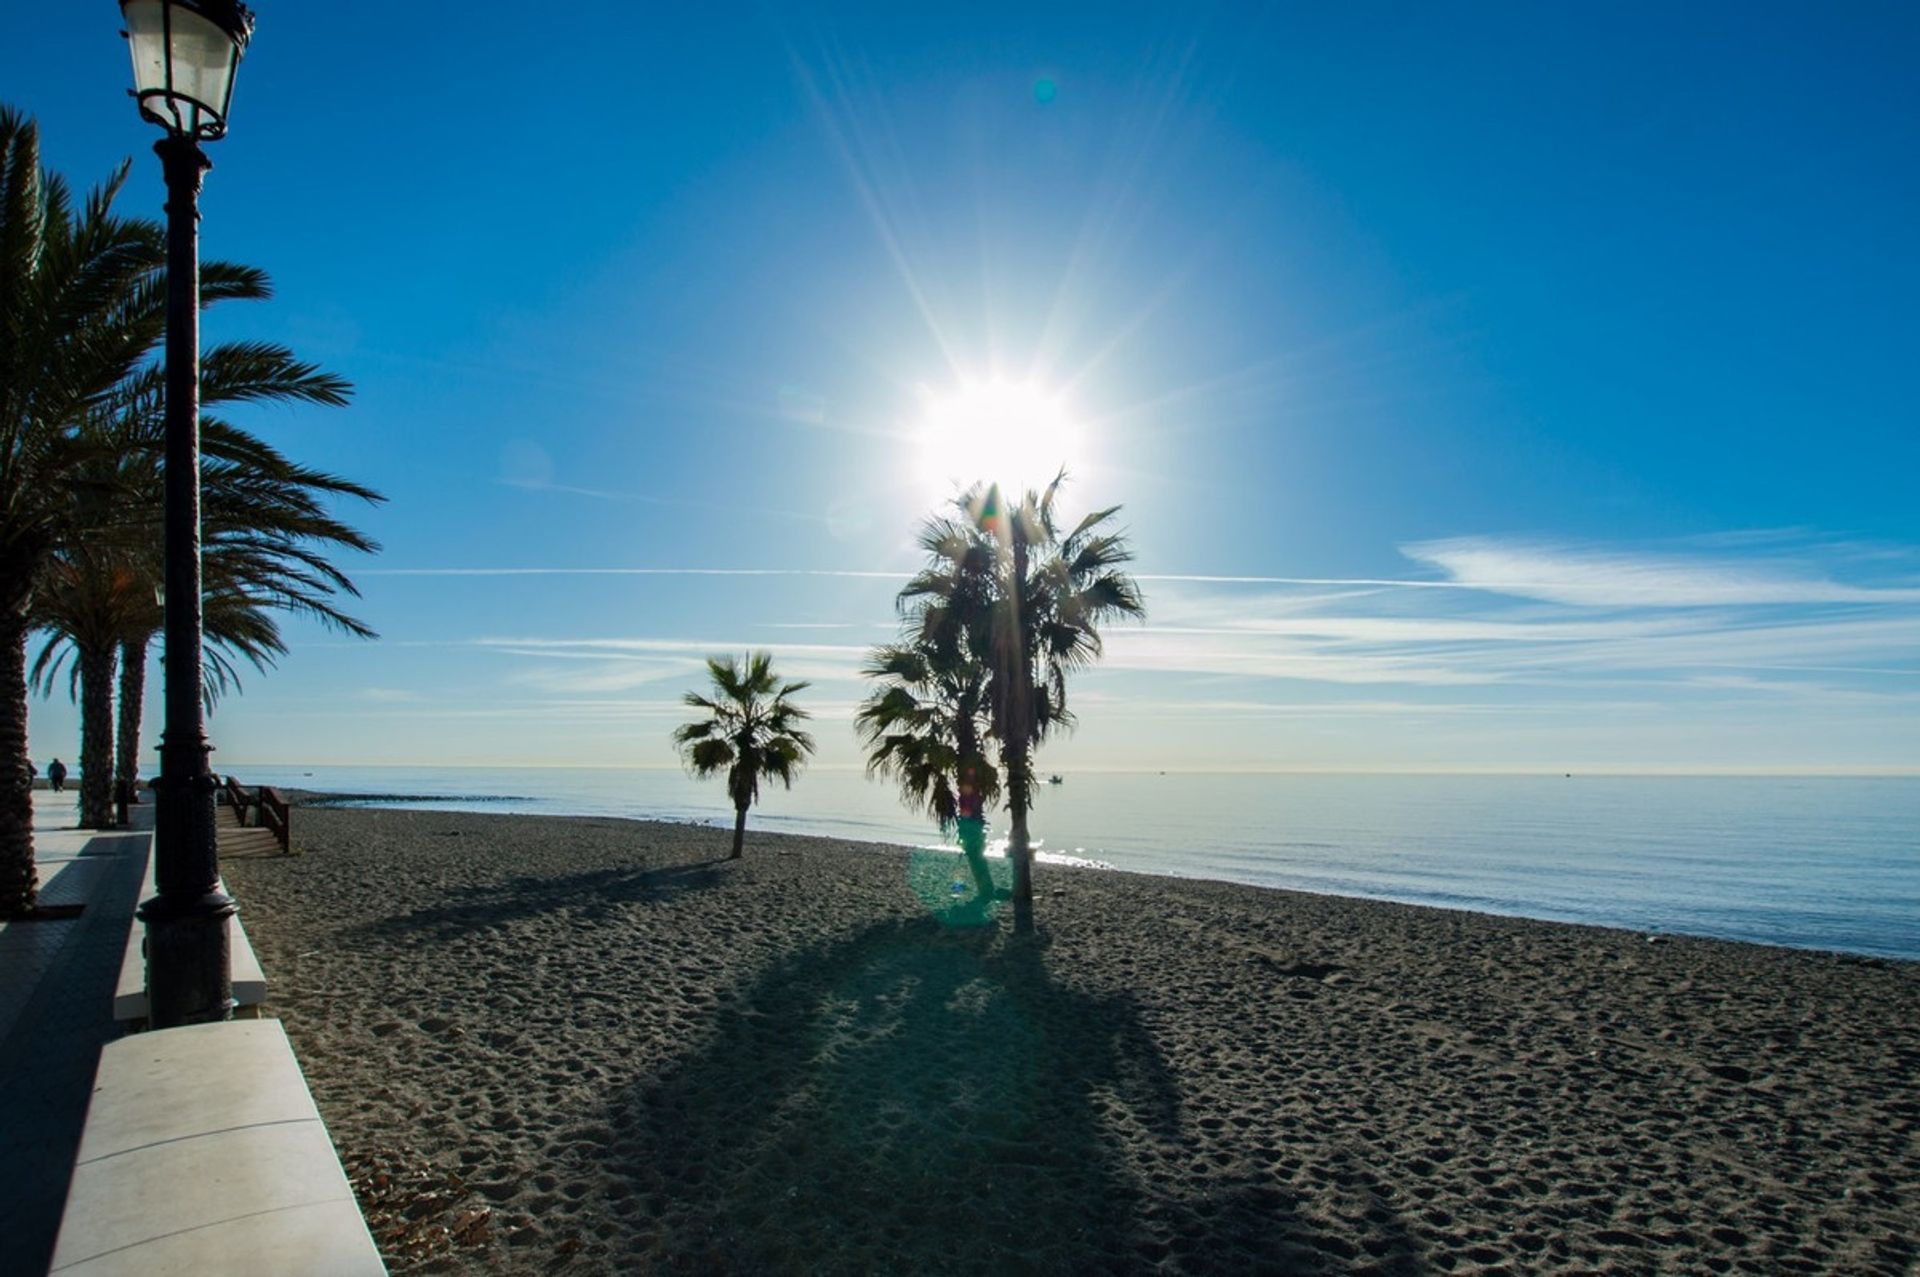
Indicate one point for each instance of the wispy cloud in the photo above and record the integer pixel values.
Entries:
(878, 575)
(1348, 708)
(584, 674)
(388, 695)
(619, 663)
(822, 625)
(1763, 617)
(1266, 656)
(559, 571)
(700, 646)
(1605, 577)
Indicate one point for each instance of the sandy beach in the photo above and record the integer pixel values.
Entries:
(587, 1045)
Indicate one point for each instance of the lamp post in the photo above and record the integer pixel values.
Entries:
(185, 53)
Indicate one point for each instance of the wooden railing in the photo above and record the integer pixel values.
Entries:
(237, 798)
(273, 811)
(277, 815)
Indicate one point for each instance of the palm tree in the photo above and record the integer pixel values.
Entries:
(86, 595)
(82, 308)
(923, 725)
(1031, 602)
(76, 313)
(924, 722)
(98, 594)
(235, 629)
(751, 732)
(263, 529)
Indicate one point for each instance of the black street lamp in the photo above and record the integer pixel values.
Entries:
(185, 53)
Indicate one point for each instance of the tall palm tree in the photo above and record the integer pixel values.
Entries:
(751, 732)
(82, 308)
(97, 595)
(235, 629)
(1031, 602)
(264, 536)
(71, 328)
(86, 595)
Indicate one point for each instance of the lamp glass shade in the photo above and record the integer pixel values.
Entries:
(183, 65)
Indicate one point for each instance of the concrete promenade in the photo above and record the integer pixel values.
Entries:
(57, 983)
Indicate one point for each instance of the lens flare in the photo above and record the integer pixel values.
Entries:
(1011, 433)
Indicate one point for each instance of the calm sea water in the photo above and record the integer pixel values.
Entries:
(1827, 862)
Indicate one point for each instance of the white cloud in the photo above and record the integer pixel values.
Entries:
(701, 647)
(616, 664)
(388, 695)
(1610, 578)
(1261, 656)
(560, 571)
(599, 675)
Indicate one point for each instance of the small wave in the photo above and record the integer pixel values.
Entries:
(998, 851)
(381, 800)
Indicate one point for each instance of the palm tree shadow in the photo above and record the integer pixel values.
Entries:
(917, 1099)
(589, 897)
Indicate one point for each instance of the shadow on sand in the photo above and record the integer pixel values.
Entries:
(922, 1099)
(589, 897)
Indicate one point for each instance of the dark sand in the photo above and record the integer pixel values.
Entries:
(581, 1045)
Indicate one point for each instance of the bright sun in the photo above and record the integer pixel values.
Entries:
(1012, 433)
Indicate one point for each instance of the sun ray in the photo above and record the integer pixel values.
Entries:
(1013, 433)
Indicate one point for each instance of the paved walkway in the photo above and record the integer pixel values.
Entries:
(56, 1011)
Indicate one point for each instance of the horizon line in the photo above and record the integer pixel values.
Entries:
(1802, 770)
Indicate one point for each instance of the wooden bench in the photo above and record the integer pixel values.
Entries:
(203, 1152)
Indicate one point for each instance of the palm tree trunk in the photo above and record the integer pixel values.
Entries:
(1018, 748)
(1019, 846)
(17, 890)
(133, 691)
(96, 734)
(739, 830)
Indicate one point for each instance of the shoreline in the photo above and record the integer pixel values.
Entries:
(319, 800)
(584, 1044)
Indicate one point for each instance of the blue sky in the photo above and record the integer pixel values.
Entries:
(1487, 387)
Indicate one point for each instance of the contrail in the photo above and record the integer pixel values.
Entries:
(901, 576)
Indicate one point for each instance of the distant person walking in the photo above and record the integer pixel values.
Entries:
(57, 776)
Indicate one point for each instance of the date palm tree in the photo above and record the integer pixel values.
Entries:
(82, 309)
(77, 312)
(1031, 602)
(751, 732)
(265, 532)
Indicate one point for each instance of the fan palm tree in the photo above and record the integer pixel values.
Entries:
(924, 723)
(1031, 602)
(751, 732)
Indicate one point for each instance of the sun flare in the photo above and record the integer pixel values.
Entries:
(1016, 434)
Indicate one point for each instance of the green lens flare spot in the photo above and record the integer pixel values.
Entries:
(1045, 90)
(944, 882)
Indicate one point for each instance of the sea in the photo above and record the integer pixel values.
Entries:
(1810, 862)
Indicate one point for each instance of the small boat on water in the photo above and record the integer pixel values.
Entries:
(1055, 779)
